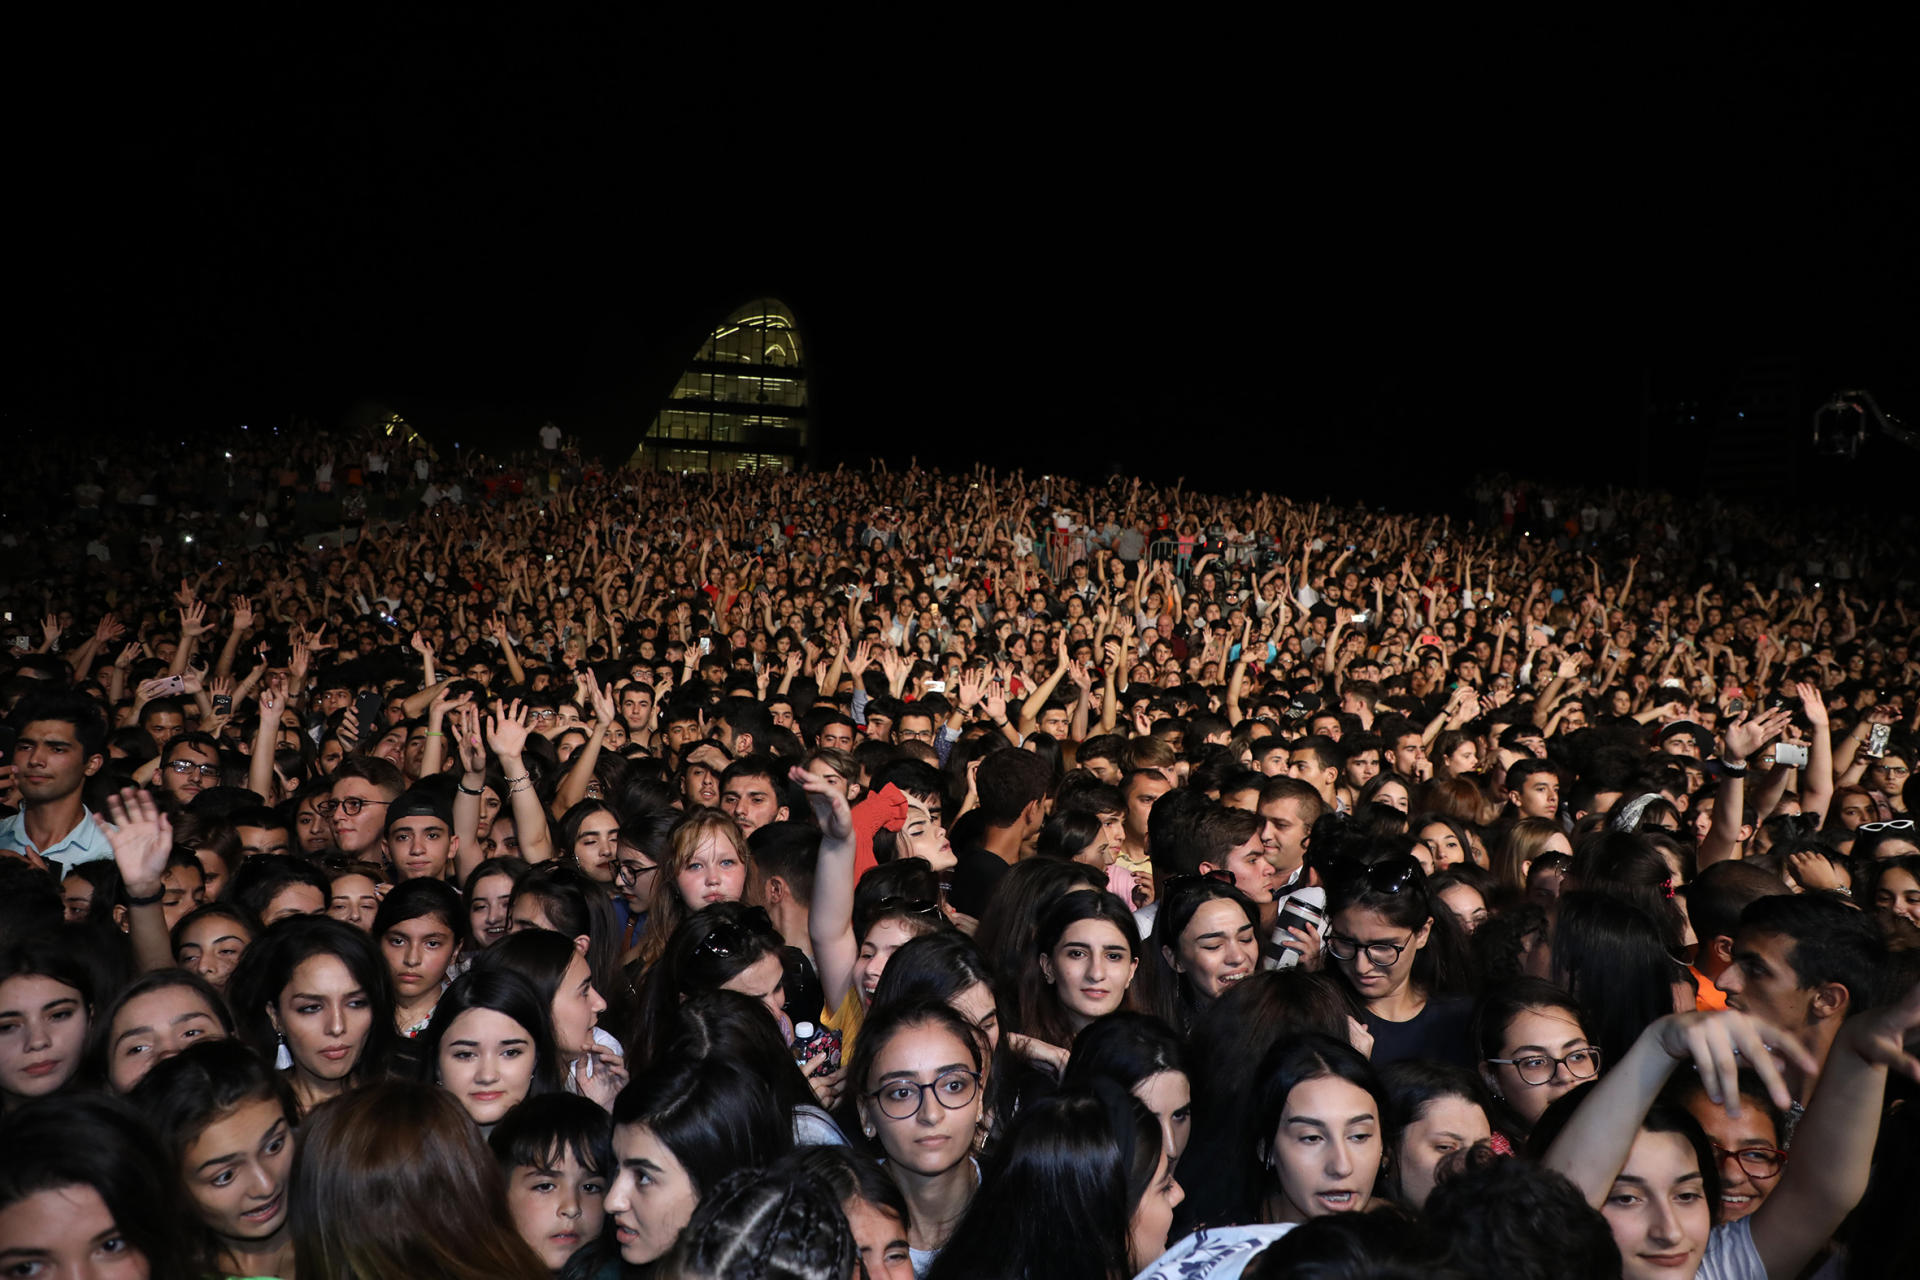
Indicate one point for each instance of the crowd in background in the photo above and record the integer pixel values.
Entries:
(421, 863)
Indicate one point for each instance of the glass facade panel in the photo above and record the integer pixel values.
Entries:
(741, 404)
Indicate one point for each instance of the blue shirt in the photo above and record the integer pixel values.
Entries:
(85, 843)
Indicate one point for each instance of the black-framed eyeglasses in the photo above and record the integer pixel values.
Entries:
(1759, 1162)
(1383, 955)
(351, 804)
(730, 938)
(185, 768)
(902, 1099)
(1538, 1068)
(630, 872)
(1896, 824)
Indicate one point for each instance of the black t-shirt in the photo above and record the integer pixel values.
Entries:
(976, 874)
(1441, 1032)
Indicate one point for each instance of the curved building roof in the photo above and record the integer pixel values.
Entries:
(741, 403)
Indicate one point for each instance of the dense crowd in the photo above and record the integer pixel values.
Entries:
(428, 864)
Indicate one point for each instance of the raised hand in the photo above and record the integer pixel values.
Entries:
(141, 838)
(1718, 1042)
(1748, 734)
(507, 730)
(464, 728)
(242, 615)
(193, 620)
(1813, 703)
(420, 646)
(828, 802)
(605, 710)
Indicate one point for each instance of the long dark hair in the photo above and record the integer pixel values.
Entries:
(726, 1024)
(418, 899)
(1041, 1012)
(1291, 1063)
(186, 1093)
(1439, 968)
(711, 947)
(578, 906)
(714, 1115)
(1007, 926)
(89, 1140)
(1613, 959)
(1412, 1087)
(506, 992)
(1168, 992)
(268, 965)
(99, 1035)
(883, 1023)
(1058, 1198)
(1126, 1048)
(375, 1164)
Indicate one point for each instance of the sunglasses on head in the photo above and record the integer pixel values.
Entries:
(731, 938)
(1187, 883)
(894, 904)
(1389, 875)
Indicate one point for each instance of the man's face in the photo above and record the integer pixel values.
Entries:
(358, 832)
(1761, 981)
(1363, 766)
(682, 732)
(1055, 722)
(182, 889)
(1538, 796)
(1273, 760)
(1285, 839)
(1306, 766)
(190, 770)
(1682, 744)
(1141, 793)
(258, 840)
(415, 752)
(1103, 768)
(164, 727)
(332, 700)
(837, 736)
(879, 727)
(752, 802)
(1252, 873)
(1408, 755)
(636, 708)
(421, 847)
(914, 727)
(49, 763)
(782, 713)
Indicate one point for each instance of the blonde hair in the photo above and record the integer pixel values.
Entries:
(666, 910)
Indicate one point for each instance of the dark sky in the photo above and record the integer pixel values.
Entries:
(1297, 262)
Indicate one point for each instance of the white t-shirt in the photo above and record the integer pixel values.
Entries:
(1730, 1254)
(549, 437)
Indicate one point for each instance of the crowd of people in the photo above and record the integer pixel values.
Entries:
(421, 864)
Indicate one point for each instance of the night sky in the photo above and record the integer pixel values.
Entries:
(1316, 264)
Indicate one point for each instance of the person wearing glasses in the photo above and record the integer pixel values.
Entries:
(916, 1074)
(1404, 961)
(1534, 1048)
(1747, 1146)
(363, 789)
(189, 765)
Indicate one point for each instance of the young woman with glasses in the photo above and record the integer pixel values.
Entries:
(1402, 959)
(1533, 1048)
(916, 1077)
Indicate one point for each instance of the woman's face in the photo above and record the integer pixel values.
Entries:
(355, 899)
(924, 837)
(934, 1138)
(486, 1063)
(1393, 795)
(1217, 948)
(1362, 928)
(70, 1231)
(1464, 758)
(1090, 969)
(1855, 809)
(883, 939)
(1898, 894)
(1442, 845)
(881, 1238)
(210, 947)
(418, 953)
(557, 1210)
(765, 981)
(155, 1026)
(576, 1010)
(237, 1171)
(43, 1027)
(391, 747)
(490, 909)
(1448, 1124)
(714, 872)
(325, 1016)
(1658, 1210)
(1326, 1149)
(1169, 1095)
(1468, 907)
(311, 828)
(1534, 1036)
(652, 1197)
(596, 846)
(1153, 1216)
(1750, 1131)
(977, 1005)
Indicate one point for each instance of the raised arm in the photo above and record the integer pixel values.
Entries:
(830, 921)
(142, 839)
(1816, 794)
(507, 735)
